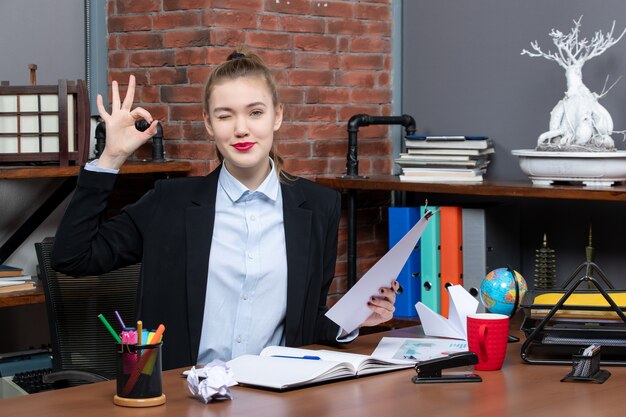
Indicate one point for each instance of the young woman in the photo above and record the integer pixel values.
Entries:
(231, 262)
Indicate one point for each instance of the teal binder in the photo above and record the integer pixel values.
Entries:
(401, 220)
(430, 261)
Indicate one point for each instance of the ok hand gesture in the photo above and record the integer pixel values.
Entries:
(122, 138)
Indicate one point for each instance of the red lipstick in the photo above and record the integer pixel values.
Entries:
(243, 146)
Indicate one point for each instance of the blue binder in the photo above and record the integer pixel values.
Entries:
(430, 261)
(401, 220)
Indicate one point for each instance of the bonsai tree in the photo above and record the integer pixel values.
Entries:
(578, 122)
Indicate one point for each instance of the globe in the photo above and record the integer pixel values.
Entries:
(497, 290)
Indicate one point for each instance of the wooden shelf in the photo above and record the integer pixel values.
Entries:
(15, 172)
(18, 298)
(494, 188)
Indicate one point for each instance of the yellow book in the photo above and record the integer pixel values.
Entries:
(578, 299)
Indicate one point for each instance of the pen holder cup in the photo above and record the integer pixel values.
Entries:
(587, 368)
(139, 375)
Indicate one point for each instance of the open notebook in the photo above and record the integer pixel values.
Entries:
(280, 367)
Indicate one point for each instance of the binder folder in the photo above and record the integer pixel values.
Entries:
(401, 220)
(474, 251)
(430, 261)
(451, 253)
(491, 237)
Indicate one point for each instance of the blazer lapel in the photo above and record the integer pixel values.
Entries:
(297, 222)
(199, 233)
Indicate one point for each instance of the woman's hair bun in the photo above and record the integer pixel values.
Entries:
(236, 55)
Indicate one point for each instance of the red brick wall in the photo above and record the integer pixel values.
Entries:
(332, 59)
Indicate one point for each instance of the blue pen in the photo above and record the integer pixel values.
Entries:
(313, 358)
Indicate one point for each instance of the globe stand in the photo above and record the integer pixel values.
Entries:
(514, 339)
(515, 305)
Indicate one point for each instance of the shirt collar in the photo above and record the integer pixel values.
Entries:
(235, 190)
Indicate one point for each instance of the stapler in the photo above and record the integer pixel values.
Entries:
(430, 371)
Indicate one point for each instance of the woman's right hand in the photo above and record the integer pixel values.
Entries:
(122, 138)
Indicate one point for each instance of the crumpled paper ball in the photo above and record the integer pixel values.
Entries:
(211, 382)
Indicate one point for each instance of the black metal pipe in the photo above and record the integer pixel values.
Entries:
(352, 272)
(352, 171)
(157, 140)
(358, 120)
(158, 154)
(100, 136)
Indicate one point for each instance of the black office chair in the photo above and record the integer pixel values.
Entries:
(83, 350)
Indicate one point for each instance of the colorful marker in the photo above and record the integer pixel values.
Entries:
(156, 337)
(141, 365)
(119, 318)
(109, 328)
(139, 331)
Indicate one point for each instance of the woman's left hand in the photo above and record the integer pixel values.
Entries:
(382, 305)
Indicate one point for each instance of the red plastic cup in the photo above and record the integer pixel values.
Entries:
(487, 336)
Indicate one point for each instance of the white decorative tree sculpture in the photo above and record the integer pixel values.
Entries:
(578, 122)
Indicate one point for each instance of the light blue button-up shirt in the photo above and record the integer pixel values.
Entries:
(246, 296)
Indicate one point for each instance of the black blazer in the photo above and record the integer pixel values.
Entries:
(170, 231)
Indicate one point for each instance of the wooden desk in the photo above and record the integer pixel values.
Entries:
(517, 390)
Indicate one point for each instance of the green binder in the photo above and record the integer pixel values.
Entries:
(430, 261)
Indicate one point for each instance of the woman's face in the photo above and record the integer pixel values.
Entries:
(242, 120)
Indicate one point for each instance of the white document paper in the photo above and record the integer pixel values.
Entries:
(352, 310)
(462, 303)
(417, 349)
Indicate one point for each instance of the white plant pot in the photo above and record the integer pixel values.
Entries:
(597, 169)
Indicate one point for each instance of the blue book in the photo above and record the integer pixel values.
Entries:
(401, 220)
(10, 271)
(430, 261)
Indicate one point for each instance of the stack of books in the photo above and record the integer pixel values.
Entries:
(445, 158)
(12, 279)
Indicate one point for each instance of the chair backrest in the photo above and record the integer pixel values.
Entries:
(79, 339)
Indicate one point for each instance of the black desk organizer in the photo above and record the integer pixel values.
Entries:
(587, 368)
(554, 342)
